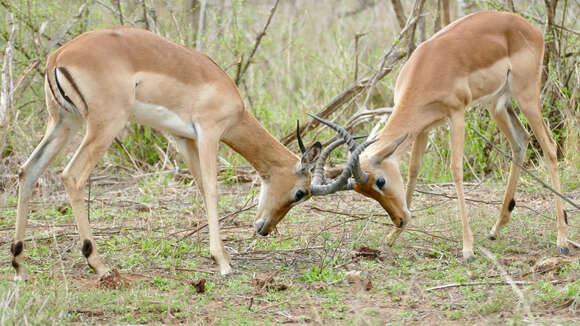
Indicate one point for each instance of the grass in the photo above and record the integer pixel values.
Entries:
(312, 252)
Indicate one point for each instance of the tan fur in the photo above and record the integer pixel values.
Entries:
(119, 74)
(466, 63)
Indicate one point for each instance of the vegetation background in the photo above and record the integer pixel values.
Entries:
(288, 58)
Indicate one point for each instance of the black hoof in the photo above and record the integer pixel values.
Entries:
(491, 237)
(470, 259)
(564, 251)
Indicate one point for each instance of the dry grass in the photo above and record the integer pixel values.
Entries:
(138, 227)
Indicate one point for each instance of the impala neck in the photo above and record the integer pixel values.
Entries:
(251, 140)
(403, 121)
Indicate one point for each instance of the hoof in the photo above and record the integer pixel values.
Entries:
(19, 278)
(564, 251)
(491, 237)
(470, 259)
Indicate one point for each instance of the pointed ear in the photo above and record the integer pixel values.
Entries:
(389, 150)
(309, 157)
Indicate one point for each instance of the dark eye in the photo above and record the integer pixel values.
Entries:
(300, 194)
(380, 182)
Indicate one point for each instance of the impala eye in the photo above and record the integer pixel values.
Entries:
(380, 182)
(300, 194)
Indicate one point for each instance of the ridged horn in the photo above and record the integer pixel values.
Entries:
(318, 175)
(300, 143)
(359, 175)
(343, 180)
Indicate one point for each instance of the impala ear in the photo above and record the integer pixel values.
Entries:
(390, 150)
(310, 156)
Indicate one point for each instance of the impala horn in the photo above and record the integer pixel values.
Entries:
(300, 143)
(342, 181)
(359, 175)
(318, 177)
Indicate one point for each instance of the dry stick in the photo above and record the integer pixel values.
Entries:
(509, 280)
(220, 220)
(459, 284)
(243, 69)
(526, 170)
(67, 28)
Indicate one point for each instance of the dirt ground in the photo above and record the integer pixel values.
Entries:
(327, 262)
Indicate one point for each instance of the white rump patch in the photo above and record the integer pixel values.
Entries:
(161, 118)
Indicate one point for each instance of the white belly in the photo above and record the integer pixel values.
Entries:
(161, 118)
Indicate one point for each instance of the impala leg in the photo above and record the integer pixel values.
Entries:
(529, 103)
(188, 150)
(518, 138)
(56, 137)
(417, 153)
(208, 147)
(457, 122)
(98, 138)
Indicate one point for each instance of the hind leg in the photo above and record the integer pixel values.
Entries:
(58, 134)
(99, 136)
(518, 139)
(527, 95)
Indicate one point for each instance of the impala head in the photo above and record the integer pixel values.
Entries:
(285, 188)
(382, 181)
(377, 176)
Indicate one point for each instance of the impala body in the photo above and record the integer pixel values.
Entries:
(108, 77)
(488, 58)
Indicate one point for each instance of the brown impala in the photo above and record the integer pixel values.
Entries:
(108, 77)
(487, 57)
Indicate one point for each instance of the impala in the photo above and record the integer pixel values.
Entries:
(486, 58)
(111, 76)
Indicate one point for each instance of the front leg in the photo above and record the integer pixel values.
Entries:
(457, 122)
(208, 146)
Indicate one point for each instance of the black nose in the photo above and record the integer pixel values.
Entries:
(260, 228)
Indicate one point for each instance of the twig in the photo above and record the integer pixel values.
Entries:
(67, 28)
(220, 220)
(459, 284)
(557, 193)
(243, 69)
(509, 280)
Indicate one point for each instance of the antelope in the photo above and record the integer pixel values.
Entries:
(108, 77)
(483, 58)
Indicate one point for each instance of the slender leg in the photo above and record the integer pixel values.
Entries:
(518, 138)
(208, 146)
(188, 150)
(419, 147)
(98, 138)
(417, 153)
(57, 135)
(530, 105)
(457, 143)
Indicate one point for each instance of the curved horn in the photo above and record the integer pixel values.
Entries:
(342, 181)
(340, 130)
(359, 175)
(318, 175)
(300, 143)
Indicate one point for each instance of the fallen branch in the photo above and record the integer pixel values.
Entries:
(460, 284)
(509, 280)
(220, 220)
